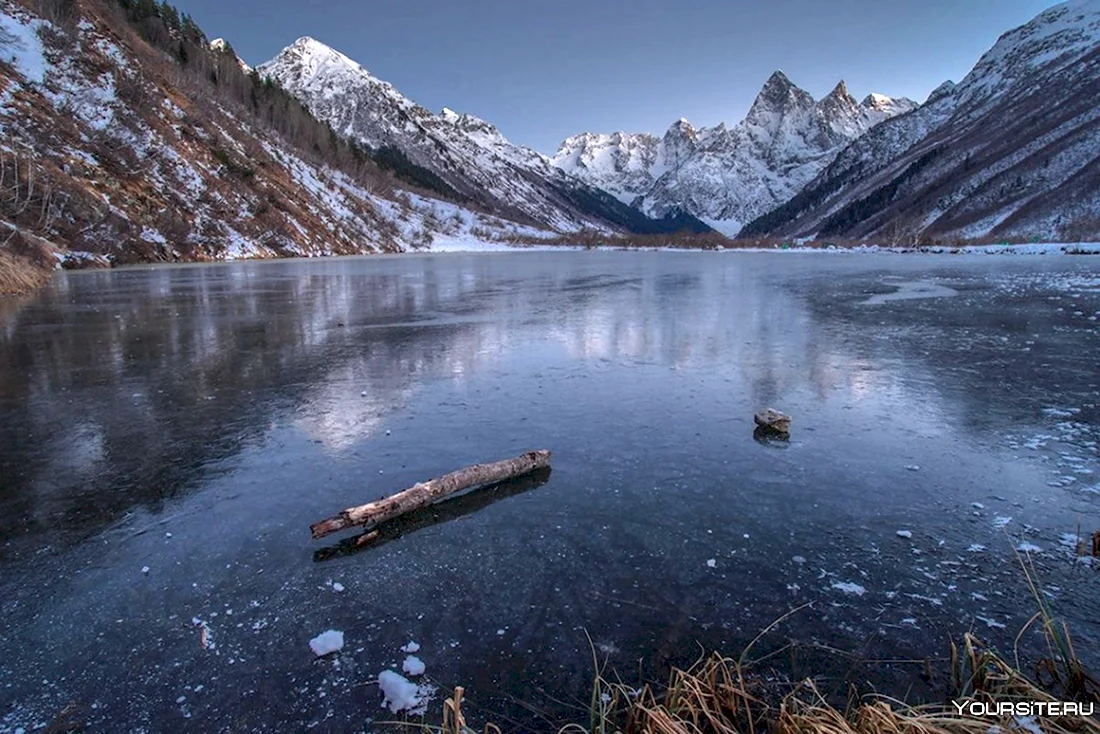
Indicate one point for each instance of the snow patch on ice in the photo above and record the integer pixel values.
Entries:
(849, 588)
(413, 665)
(327, 642)
(401, 694)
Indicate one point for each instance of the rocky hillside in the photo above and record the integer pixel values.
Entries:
(1011, 152)
(127, 136)
(468, 155)
(729, 175)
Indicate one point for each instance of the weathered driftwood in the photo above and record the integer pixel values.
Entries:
(426, 493)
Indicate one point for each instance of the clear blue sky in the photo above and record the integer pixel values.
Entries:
(545, 69)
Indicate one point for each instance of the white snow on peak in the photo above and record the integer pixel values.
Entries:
(728, 175)
(222, 46)
(1062, 32)
(941, 91)
(467, 152)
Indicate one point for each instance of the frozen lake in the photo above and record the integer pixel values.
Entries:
(168, 434)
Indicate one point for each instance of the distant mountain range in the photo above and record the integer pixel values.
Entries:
(1012, 151)
(730, 175)
(467, 153)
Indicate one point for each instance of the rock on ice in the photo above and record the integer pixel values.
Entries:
(327, 642)
(411, 647)
(905, 534)
(413, 665)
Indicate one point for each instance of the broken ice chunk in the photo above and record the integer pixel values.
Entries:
(327, 642)
(401, 694)
(413, 665)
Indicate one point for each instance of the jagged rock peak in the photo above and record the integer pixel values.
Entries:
(948, 87)
(780, 94)
(840, 91)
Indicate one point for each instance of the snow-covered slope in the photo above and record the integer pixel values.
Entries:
(1013, 150)
(729, 175)
(107, 157)
(468, 153)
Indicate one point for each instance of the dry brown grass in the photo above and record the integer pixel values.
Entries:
(723, 695)
(25, 264)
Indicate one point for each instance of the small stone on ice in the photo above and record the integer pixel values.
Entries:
(326, 642)
(913, 467)
(411, 647)
(363, 394)
(337, 586)
(711, 563)
(500, 632)
(145, 569)
(905, 534)
(799, 560)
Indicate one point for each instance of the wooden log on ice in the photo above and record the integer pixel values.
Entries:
(433, 490)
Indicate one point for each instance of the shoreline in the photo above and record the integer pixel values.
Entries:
(75, 260)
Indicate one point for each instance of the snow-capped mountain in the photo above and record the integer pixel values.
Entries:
(1013, 150)
(729, 175)
(116, 151)
(468, 153)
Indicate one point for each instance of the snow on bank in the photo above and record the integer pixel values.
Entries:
(465, 242)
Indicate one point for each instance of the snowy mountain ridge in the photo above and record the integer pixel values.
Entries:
(1012, 150)
(729, 175)
(469, 153)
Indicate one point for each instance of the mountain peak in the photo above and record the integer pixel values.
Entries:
(840, 90)
(778, 79)
(778, 98)
(942, 90)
